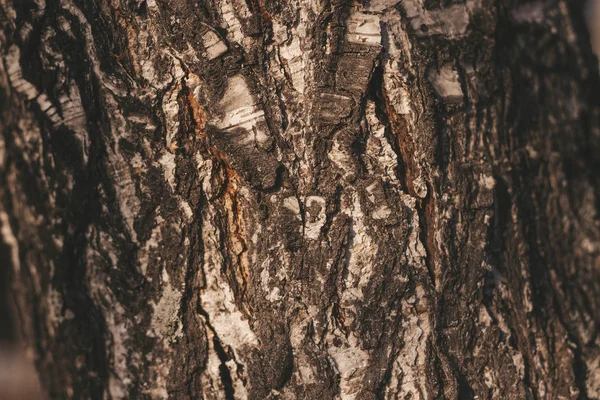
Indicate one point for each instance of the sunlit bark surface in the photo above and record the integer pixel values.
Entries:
(302, 199)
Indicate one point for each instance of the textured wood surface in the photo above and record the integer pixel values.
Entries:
(303, 199)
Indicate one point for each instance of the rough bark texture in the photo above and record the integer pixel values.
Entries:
(303, 199)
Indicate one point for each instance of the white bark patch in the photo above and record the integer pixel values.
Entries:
(380, 5)
(213, 44)
(292, 55)
(593, 377)
(291, 203)
(304, 371)
(204, 171)
(383, 211)
(265, 278)
(340, 158)
(396, 84)
(144, 58)
(379, 152)
(170, 109)
(408, 378)
(487, 181)
(186, 209)
(241, 110)
(10, 240)
(168, 165)
(419, 186)
(217, 299)
(396, 88)
(350, 361)
(362, 253)
(231, 21)
(446, 82)
(316, 217)
(165, 322)
(415, 251)
(240, 391)
(211, 377)
(398, 43)
(303, 33)
(364, 29)
(451, 22)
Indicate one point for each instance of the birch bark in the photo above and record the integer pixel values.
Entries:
(302, 199)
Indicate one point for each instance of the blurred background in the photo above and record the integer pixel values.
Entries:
(592, 13)
(18, 379)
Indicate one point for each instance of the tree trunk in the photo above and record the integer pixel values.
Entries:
(309, 199)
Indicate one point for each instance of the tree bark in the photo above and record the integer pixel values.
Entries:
(308, 199)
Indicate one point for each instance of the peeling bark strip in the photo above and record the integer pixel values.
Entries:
(308, 199)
